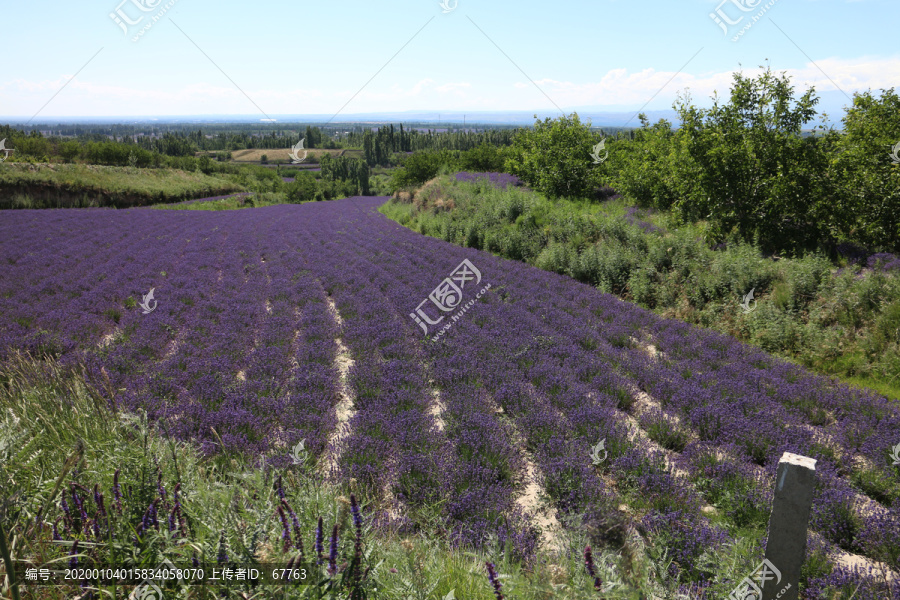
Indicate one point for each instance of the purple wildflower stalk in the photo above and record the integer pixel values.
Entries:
(67, 515)
(222, 557)
(589, 564)
(320, 538)
(333, 551)
(279, 489)
(354, 510)
(117, 492)
(98, 499)
(56, 536)
(357, 546)
(298, 537)
(73, 560)
(495, 581)
(79, 504)
(285, 529)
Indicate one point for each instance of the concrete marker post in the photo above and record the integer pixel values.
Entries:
(786, 545)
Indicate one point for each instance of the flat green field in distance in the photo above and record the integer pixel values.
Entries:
(284, 154)
(47, 185)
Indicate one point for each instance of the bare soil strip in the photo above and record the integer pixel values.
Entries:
(533, 499)
(344, 409)
(437, 407)
(110, 337)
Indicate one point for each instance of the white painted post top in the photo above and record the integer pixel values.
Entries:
(801, 461)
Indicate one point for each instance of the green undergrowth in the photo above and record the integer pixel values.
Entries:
(57, 435)
(833, 318)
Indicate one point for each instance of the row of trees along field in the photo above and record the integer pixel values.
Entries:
(379, 146)
(744, 165)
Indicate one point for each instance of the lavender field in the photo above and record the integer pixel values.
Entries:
(292, 322)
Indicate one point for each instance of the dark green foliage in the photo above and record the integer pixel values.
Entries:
(555, 158)
(302, 189)
(481, 159)
(868, 207)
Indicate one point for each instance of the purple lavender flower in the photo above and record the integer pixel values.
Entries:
(320, 539)
(589, 564)
(222, 556)
(495, 581)
(295, 522)
(354, 510)
(286, 531)
(279, 489)
(67, 514)
(333, 552)
(73, 560)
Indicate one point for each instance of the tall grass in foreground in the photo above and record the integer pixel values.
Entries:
(83, 482)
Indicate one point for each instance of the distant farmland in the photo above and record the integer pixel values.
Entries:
(284, 154)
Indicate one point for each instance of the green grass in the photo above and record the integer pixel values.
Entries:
(46, 185)
(845, 325)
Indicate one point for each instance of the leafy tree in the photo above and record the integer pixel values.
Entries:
(555, 157)
(483, 158)
(419, 167)
(755, 174)
(69, 150)
(868, 208)
(649, 166)
(303, 188)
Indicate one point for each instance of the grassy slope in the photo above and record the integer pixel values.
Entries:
(109, 185)
(845, 325)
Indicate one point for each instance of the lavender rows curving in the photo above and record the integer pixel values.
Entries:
(241, 352)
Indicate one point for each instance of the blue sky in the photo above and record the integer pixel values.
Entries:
(312, 57)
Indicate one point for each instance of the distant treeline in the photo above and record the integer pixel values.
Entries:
(379, 144)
